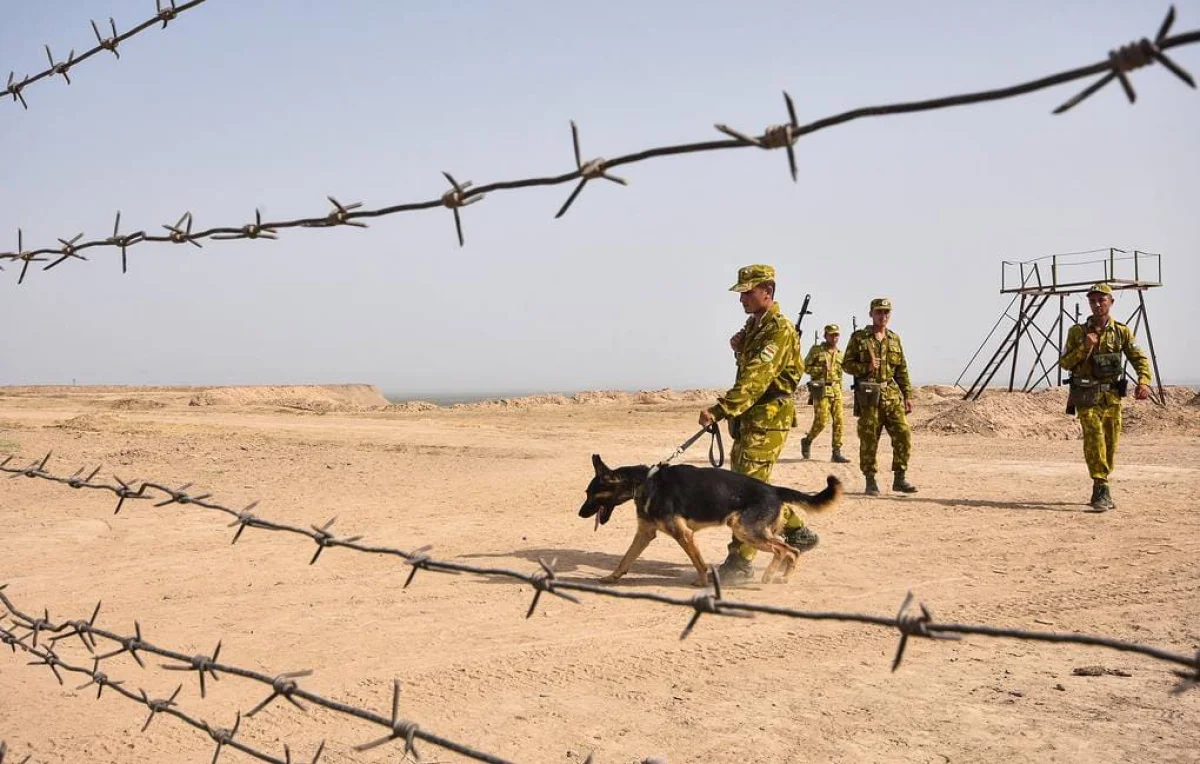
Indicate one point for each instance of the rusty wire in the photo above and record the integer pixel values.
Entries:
(281, 685)
(907, 621)
(164, 14)
(1119, 62)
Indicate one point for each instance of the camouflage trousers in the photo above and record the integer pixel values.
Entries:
(762, 434)
(889, 414)
(1101, 429)
(827, 408)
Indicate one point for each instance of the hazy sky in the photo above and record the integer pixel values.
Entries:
(249, 103)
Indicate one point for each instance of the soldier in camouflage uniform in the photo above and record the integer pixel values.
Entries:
(760, 404)
(876, 357)
(824, 366)
(1093, 356)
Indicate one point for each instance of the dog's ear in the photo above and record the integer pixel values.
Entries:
(599, 465)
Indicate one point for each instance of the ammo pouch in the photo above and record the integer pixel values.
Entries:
(1083, 393)
(735, 428)
(816, 391)
(866, 394)
(1107, 365)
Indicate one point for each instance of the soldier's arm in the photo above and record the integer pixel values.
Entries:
(1140, 361)
(900, 373)
(853, 362)
(752, 380)
(1075, 351)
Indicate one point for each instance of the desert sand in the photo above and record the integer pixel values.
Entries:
(997, 535)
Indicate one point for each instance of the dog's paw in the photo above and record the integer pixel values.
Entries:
(609, 579)
(702, 581)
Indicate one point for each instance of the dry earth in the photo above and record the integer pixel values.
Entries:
(997, 535)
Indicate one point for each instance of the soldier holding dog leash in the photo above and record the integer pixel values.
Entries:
(760, 406)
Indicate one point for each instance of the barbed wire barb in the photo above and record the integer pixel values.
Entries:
(4, 753)
(590, 170)
(1134, 56)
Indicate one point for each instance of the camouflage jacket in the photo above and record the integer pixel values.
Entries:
(1114, 338)
(893, 366)
(768, 361)
(824, 365)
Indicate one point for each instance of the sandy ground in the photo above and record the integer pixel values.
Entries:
(997, 535)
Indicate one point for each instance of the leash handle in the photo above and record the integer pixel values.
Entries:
(720, 444)
(685, 445)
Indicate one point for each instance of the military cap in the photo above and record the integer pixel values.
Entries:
(751, 276)
(1101, 288)
(832, 329)
(881, 303)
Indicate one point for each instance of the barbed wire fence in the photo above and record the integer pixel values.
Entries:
(164, 14)
(908, 621)
(1120, 61)
(282, 686)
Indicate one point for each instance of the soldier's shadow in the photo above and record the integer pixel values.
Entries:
(1043, 506)
(587, 567)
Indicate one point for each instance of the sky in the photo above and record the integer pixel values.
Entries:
(276, 104)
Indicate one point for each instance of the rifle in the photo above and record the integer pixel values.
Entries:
(804, 311)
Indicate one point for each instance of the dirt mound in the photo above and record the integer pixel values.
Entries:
(593, 397)
(1042, 415)
(89, 423)
(134, 404)
(667, 395)
(524, 402)
(410, 406)
(318, 398)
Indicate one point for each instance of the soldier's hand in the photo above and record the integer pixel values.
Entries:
(706, 418)
(735, 341)
(1142, 392)
(1090, 340)
(907, 405)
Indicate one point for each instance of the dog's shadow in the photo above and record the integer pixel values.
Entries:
(569, 562)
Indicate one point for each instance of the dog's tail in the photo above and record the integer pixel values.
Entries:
(814, 502)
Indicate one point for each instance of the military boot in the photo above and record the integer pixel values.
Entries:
(872, 487)
(801, 538)
(837, 457)
(736, 569)
(806, 447)
(901, 484)
(1101, 498)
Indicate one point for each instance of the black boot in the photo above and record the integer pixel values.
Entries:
(801, 538)
(872, 487)
(736, 569)
(901, 484)
(806, 447)
(1101, 498)
(838, 458)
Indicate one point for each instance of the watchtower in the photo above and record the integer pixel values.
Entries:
(1033, 337)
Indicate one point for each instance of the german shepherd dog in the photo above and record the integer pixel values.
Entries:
(679, 500)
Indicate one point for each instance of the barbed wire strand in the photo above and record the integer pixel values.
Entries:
(282, 685)
(1137, 54)
(164, 14)
(907, 622)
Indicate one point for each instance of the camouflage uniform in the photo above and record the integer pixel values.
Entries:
(1101, 420)
(897, 388)
(760, 404)
(825, 365)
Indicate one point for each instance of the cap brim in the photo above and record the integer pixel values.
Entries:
(741, 288)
